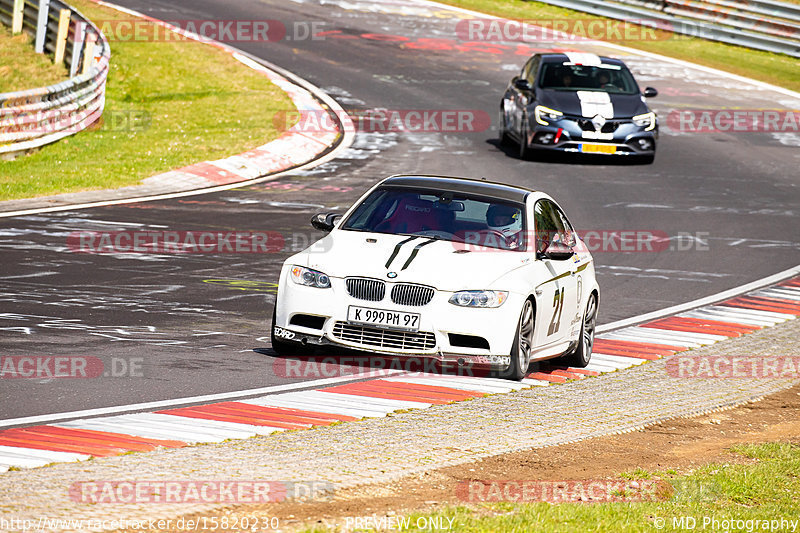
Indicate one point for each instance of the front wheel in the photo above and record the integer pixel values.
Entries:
(580, 357)
(523, 343)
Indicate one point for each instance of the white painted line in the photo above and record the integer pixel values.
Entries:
(500, 384)
(308, 405)
(386, 402)
(769, 280)
(778, 293)
(52, 456)
(678, 333)
(535, 382)
(725, 318)
(451, 384)
(207, 398)
(606, 359)
(649, 335)
(347, 400)
(758, 312)
(22, 461)
(738, 313)
(599, 367)
(201, 425)
(141, 429)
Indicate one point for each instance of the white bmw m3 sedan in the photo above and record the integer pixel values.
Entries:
(460, 270)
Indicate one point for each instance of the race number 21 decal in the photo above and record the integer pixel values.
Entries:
(558, 306)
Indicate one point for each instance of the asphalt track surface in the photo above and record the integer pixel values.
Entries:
(198, 324)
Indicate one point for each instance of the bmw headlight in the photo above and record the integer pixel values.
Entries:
(646, 121)
(543, 114)
(479, 298)
(310, 278)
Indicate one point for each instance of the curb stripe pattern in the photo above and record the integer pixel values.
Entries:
(77, 440)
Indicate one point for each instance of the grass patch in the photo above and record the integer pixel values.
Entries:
(21, 68)
(777, 69)
(168, 104)
(766, 489)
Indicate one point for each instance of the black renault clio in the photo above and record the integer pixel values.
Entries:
(578, 102)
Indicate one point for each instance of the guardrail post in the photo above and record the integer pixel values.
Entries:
(77, 47)
(41, 25)
(88, 53)
(17, 15)
(63, 30)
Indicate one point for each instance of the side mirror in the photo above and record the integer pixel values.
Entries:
(523, 85)
(650, 92)
(558, 252)
(324, 221)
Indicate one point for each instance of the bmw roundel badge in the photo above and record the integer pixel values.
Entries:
(391, 275)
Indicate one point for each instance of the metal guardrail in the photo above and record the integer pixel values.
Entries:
(32, 118)
(715, 20)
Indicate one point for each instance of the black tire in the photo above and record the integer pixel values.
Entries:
(582, 354)
(647, 159)
(521, 348)
(281, 347)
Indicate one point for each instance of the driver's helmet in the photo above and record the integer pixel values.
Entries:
(505, 219)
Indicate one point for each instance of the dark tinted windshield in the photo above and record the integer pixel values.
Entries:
(569, 77)
(460, 218)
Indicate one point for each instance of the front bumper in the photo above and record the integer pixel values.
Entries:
(446, 333)
(574, 135)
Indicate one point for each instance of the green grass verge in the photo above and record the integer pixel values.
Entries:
(21, 68)
(777, 69)
(168, 104)
(765, 488)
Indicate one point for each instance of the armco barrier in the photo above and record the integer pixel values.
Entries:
(33, 118)
(738, 22)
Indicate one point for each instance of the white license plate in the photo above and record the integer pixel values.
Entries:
(383, 318)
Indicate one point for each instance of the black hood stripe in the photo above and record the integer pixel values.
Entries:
(397, 249)
(415, 251)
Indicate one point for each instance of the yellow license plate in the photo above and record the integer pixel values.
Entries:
(598, 148)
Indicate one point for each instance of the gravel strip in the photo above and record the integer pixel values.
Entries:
(380, 450)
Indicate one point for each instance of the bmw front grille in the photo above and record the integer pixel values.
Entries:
(366, 289)
(409, 294)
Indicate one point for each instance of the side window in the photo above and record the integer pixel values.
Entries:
(529, 70)
(549, 226)
(533, 65)
(568, 232)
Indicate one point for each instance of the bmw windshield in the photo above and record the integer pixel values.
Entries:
(448, 216)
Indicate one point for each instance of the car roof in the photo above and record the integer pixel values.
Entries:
(560, 58)
(491, 189)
